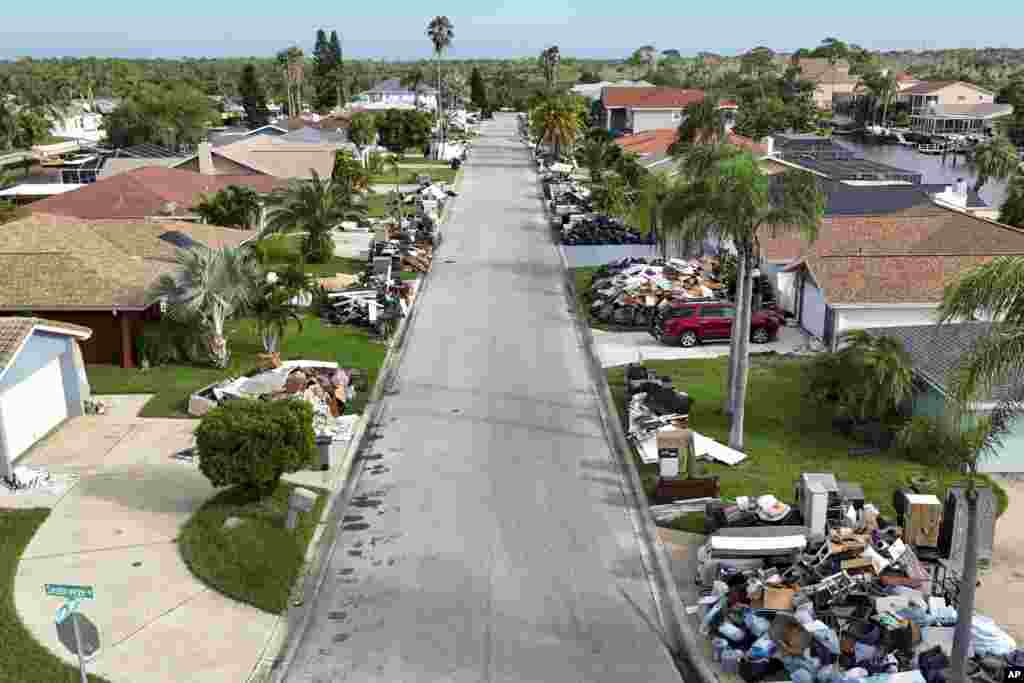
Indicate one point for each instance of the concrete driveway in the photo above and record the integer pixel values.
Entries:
(116, 530)
(620, 348)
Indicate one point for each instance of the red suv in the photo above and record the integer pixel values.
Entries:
(687, 323)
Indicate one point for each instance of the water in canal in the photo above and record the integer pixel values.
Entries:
(930, 165)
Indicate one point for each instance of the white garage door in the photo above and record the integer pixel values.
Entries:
(812, 315)
(33, 407)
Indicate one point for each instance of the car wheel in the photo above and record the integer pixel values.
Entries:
(760, 335)
(688, 339)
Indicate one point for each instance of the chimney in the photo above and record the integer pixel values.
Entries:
(205, 154)
(769, 144)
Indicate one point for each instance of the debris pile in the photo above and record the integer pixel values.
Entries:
(590, 229)
(325, 386)
(25, 480)
(826, 589)
(629, 291)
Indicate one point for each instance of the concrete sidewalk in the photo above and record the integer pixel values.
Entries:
(116, 530)
(620, 348)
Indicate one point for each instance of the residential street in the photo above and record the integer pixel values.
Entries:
(489, 537)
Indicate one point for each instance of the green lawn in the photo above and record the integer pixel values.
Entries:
(22, 658)
(350, 266)
(257, 562)
(349, 346)
(784, 435)
(442, 174)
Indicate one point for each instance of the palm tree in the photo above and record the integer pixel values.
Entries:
(596, 153)
(210, 286)
(702, 124)
(996, 159)
(726, 195)
(394, 167)
(649, 204)
(315, 208)
(549, 62)
(235, 206)
(879, 375)
(274, 308)
(441, 32)
(1012, 210)
(556, 121)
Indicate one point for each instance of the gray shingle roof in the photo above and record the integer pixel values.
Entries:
(937, 350)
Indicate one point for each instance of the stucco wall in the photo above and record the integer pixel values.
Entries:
(958, 93)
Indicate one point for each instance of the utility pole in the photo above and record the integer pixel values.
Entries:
(968, 584)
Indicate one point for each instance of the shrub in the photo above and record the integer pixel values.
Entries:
(929, 441)
(253, 443)
(170, 341)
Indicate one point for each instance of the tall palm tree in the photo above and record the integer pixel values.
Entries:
(560, 125)
(997, 159)
(441, 33)
(726, 195)
(210, 286)
(315, 208)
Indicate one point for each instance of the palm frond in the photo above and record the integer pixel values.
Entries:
(993, 360)
(995, 288)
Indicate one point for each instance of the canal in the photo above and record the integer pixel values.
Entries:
(930, 165)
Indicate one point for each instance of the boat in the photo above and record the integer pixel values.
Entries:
(931, 148)
(900, 140)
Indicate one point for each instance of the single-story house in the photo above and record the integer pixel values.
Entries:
(264, 155)
(936, 351)
(147, 192)
(652, 146)
(391, 94)
(96, 273)
(42, 381)
(881, 269)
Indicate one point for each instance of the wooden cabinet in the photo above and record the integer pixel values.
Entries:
(923, 519)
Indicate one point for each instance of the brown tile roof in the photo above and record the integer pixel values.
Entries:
(282, 160)
(657, 141)
(902, 257)
(55, 262)
(14, 330)
(145, 192)
(649, 98)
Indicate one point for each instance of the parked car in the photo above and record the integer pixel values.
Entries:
(688, 324)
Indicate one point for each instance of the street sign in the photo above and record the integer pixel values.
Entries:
(61, 590)
(88, 642)
(67, 609)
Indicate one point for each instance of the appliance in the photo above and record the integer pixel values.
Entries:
(817, 495)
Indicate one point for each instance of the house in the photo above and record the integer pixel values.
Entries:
(147, 192)
(945, 107)
(225, 136)
(652, 146)
(264, 155)
(391, 94)
(96, 273)
(833, 84)
(936, 352)
(592, 91)
(79, 121)
(639, 109)
(871, 267)
(42, 381)
(126, 159)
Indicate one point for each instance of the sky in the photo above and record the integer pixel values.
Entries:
(394, 30)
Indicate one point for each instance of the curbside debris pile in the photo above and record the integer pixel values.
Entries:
(629, 291)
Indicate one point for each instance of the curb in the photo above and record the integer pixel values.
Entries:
(286, 644)
(677, 633)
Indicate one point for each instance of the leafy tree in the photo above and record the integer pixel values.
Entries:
(549, 61)
(235, 206)
(326, 71)
(338, 72)
(646, 55)
(254, 101)
(362, 130)
(400, 130)
(252, 444)
(349, 173)
(477, 90)
(414, 80)
(588, 76)
(314, 208)
(757, 63)
(1012, 210)
(610, 197)
(882, 88)
(598, 152)
(31, 127)
(173, 115)
(209, 287)
(759, 118)
(997, 159)
(726, 195)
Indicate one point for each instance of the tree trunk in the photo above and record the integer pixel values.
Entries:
(218, 343)
(271, 340)
(968, 583)
(739, 391)
(729, 406)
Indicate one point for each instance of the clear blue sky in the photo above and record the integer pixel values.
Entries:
(490, 28)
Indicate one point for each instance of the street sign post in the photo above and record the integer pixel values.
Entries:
(61, 590)
(73, 596)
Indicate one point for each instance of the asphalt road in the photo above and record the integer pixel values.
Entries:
(489, 538)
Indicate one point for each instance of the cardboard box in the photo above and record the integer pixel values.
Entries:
(778, 597)
(923, 519)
